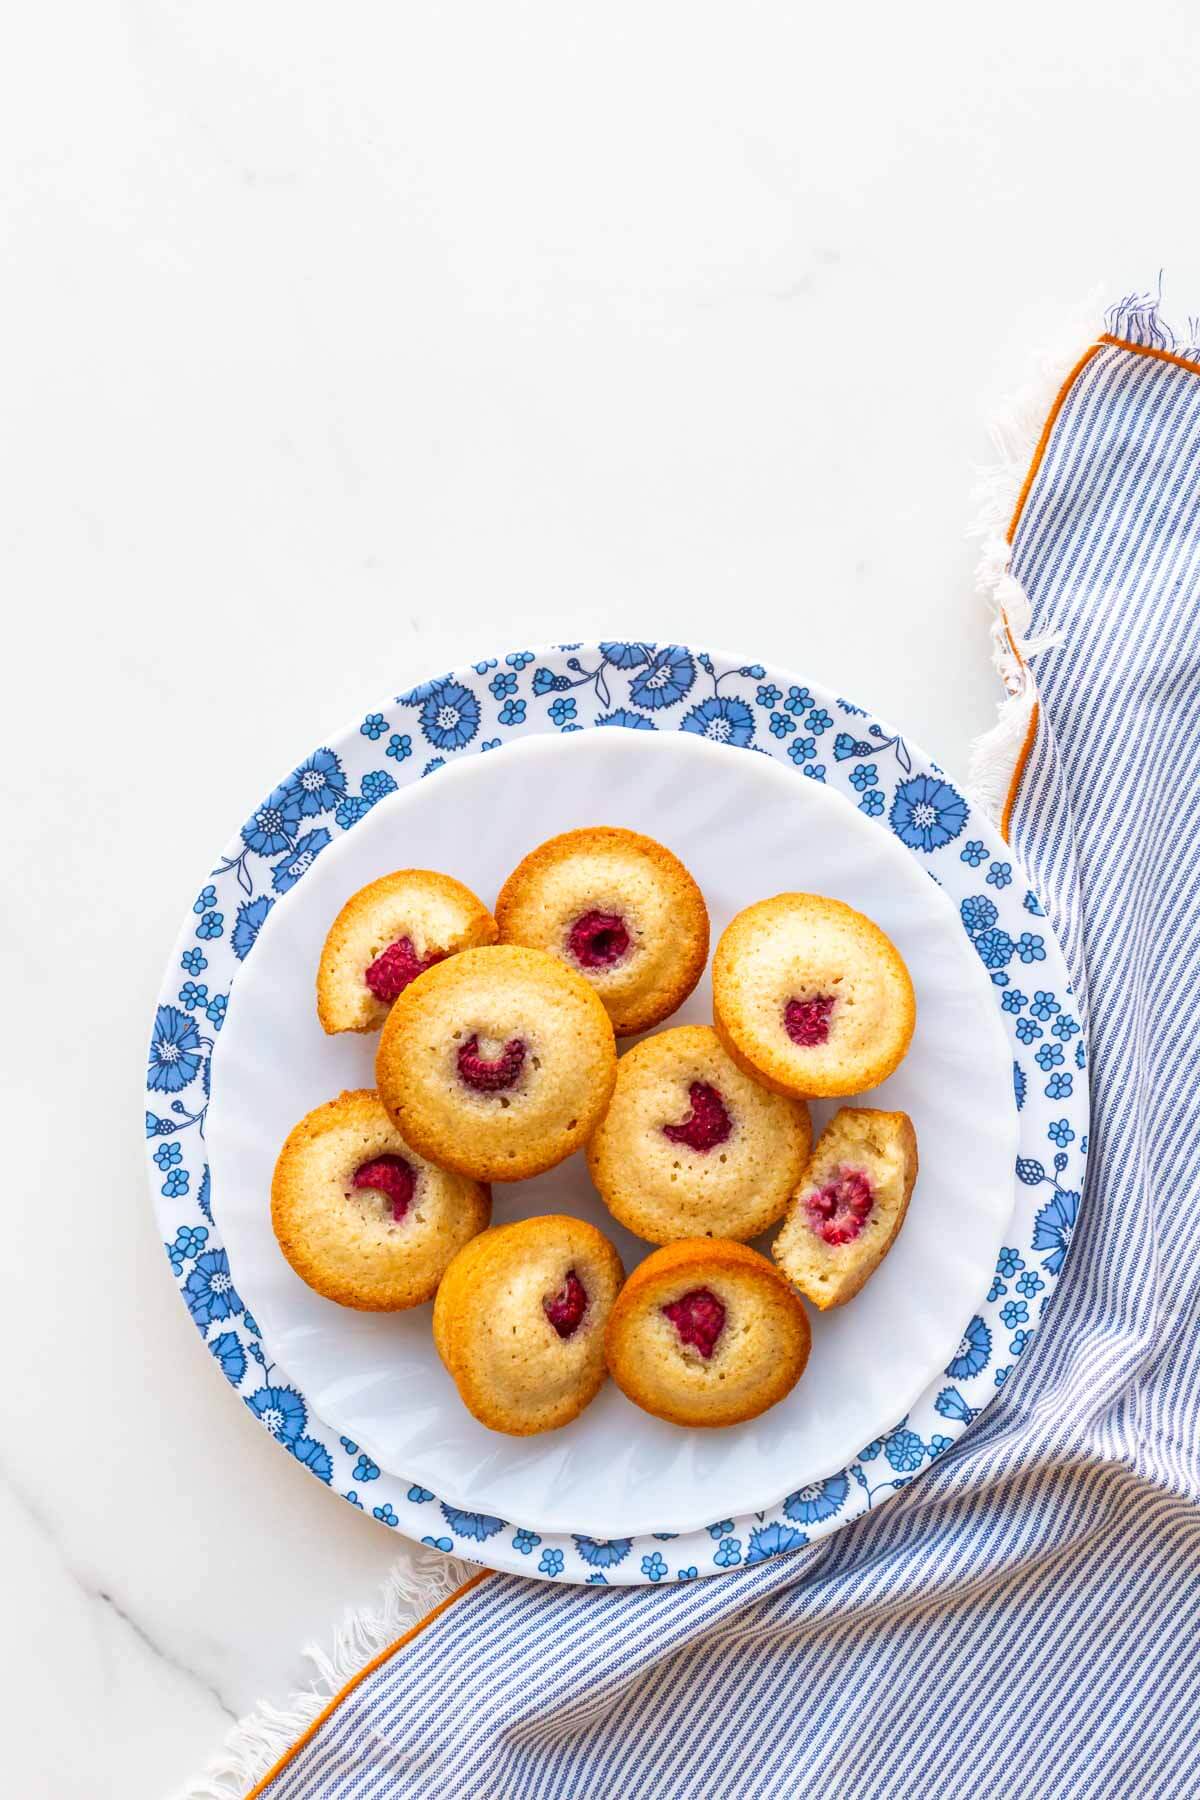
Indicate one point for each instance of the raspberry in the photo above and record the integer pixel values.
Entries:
(392, 1176)
(390, 973)
(708, 1123)
(699, 1318)
(565, 1309)
(807, 1021)
(838, 1212)
(597, 940)
(488, 1075)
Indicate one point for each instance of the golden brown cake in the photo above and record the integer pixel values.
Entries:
(691, 1147)
(849, 1205)
(620, 909)
(810, 996)
(706, 1332)
(361, 1217)
(519, 1322)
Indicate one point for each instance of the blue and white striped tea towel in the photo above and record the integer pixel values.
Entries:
(1022, 1620)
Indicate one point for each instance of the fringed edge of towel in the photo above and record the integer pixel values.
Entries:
(258, 1741)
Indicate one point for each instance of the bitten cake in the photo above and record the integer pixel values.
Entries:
(498, 1062)
(361, 1217)
(849, 1205)
(519, 1322)
(385, 936)
(621, 910)
(811, 997)
(706, 1332)
(691, 1147)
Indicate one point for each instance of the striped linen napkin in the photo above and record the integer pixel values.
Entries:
(1021, 1621)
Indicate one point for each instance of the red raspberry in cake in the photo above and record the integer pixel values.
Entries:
(392, 1176)
(849, 1204)
(707, 1124)
(807, 1021)
(491, 1074)
(598, 940)
(389, 975)
(838, 1211)
(699, 1318)
(386, 935)
(565, 1309)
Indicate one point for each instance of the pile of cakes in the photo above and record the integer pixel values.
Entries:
(497, 1059)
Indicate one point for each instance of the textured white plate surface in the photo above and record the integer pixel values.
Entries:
(746, 828)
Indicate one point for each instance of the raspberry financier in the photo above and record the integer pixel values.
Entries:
(360, 1216)
(849, 1205)
(810, 996)
(706, 1332)
(690, 1146)
(519, 1322)
(497, 1062)
(385, 936)
(620, 909)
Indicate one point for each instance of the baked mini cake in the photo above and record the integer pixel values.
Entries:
(385, 936)
(849, 1205)
(497, 1062)
(706, 1332)
(519, 1322)
(691, 1147)
(361, 1217)
(810, 996)
(620, 909)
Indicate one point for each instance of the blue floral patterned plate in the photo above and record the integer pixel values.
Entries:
(642, 688)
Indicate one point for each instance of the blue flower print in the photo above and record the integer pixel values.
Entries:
(1019, 1085)
(365, 1469)
(204, 899)
(248, 924)
(814, 771)
(526, 1541)
(1020, 1341)
(314, 1456)
(202, 1197)
(545, 681)
(978, 913)
(781, 725)
(1065, 1027)
(927, 813)
(386, 1516)
(419, 1494)
(973, 1352)
(512, 712)
(872, 803)
(175, 1184)
(520, 659)
(688, 1574)
(192, 961)
(270, 829)
(490, 744)
(802, 750)
(769, 696)
(665, 681)
(211, 925)
(229, 1353)
(561, 710)
(603, 1553)
(1031, 948)
(287, 873)
(173, 1046)
(502, 685)
(422, 691)
(1059, 1132)
(995, 948)
(755, 671)
(373, 726)
(997, 1288)
(167, 1155)
(626, 656)
(1009, 1262)
(214, 1012)
(354, 1500)
(551, 1563)
(1014, 1000)
(864, 776)
(720, 1528)
(1049, 1057)
(1012, 1313)
(479, 1526)
(1028, 1031)
(938, 1446)
(848, 708)
(450, 716)
(281, 1410)
(973, 852)
(728, 1553)
(1080, 1057)
(999, 875)
(723, 718)
(318, 784)
(399, 746)
(653, 1567)
(1044, 1005)
(951, 1405)
(481, 668)
(799, 700)
(351, 811)
(904, 1450)
(820, 1500)
(1053, 1227)
(435, 762)
(1033, 905)
(1030, 1284)
(870, 1451)
(818, 721)
(631, 721)
(773, 1540)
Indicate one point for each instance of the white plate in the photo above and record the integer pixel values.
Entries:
(746, 828)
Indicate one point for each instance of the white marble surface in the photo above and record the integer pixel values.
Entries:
(339, 346)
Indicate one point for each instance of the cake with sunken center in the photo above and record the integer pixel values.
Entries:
(849, 1204)
(498, 1062)
(691, 1147)
(387, 934)
(811, 997)
(621, 910)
